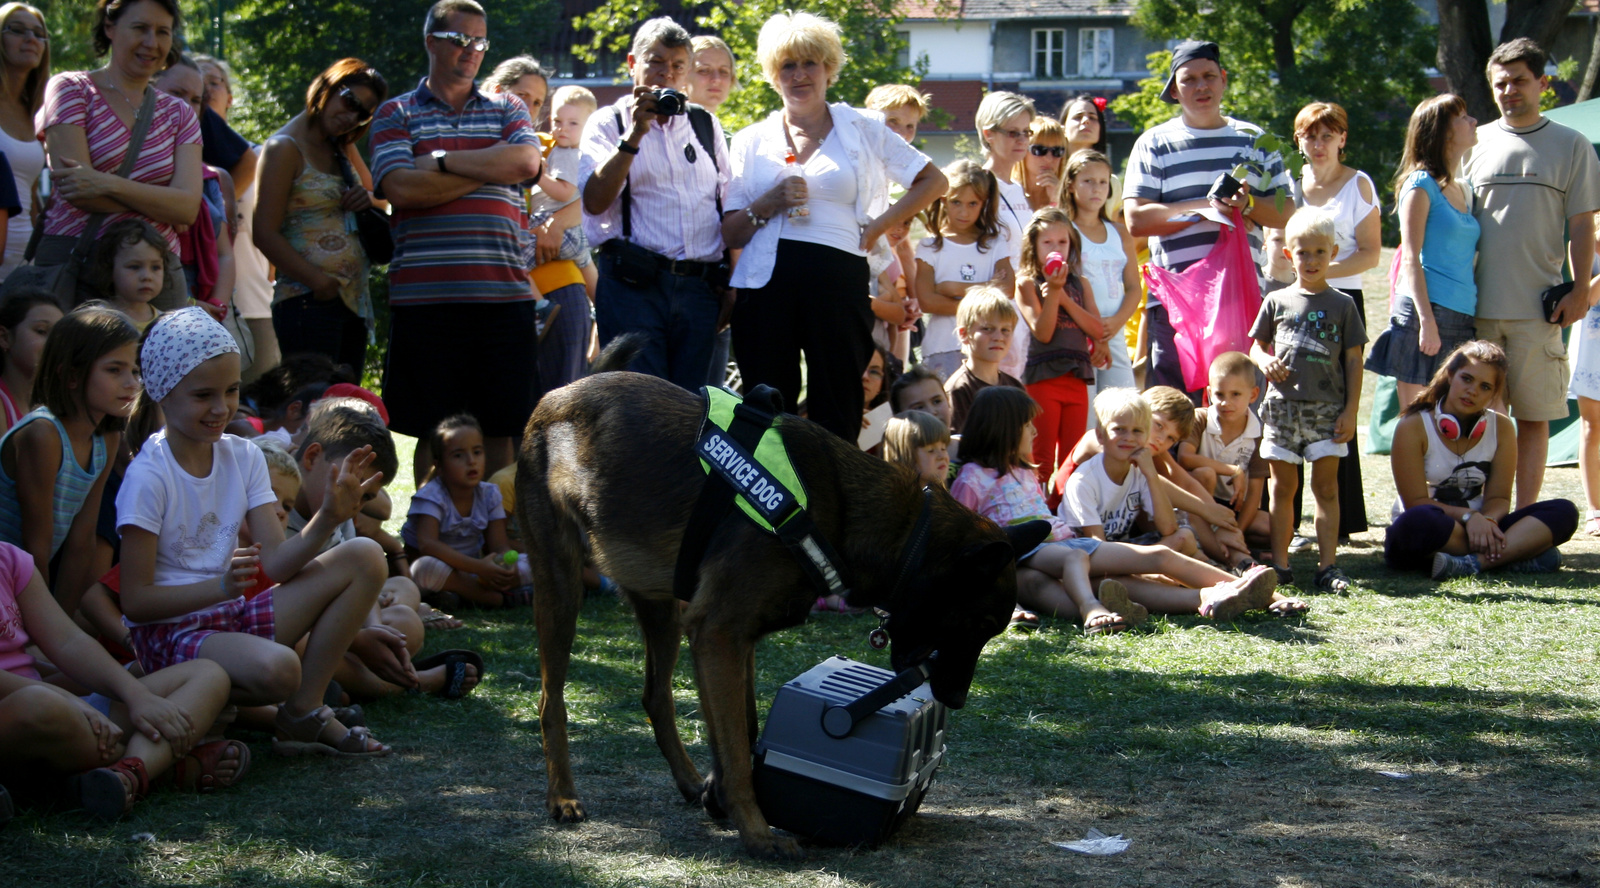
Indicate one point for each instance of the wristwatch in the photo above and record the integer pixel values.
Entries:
(1467, 516)
(439, 157)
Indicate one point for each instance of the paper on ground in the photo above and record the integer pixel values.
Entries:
(1097, 844)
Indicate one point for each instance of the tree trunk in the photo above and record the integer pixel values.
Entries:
(1538, 19)
(1464, 46)
(1591, 70)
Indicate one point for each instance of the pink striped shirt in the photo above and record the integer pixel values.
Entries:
(72, 99)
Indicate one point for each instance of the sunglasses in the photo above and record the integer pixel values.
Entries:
(478, 44)
(353, 104)
(1014, 135)
(20, 31)
(1042, 150)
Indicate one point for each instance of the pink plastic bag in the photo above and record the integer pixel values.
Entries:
(1212, 303)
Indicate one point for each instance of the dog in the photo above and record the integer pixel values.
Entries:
(608, 468)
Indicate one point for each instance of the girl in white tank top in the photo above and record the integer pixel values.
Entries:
(1457, 480)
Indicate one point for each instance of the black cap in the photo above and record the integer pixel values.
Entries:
(1186, 52)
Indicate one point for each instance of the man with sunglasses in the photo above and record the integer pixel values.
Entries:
(1172, 169)
(450, 159)
(652, 188)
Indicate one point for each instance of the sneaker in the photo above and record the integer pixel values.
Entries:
(1447, 566)
(1547, 561)
(1300, 543)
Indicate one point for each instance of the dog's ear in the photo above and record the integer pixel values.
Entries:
(989, 559)
(1027, 536)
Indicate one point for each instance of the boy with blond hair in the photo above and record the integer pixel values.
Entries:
(570, 108)
(902, 108)
(1313, 370)
(1224, 451)
(985, 322)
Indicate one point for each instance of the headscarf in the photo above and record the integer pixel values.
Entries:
(179, 342)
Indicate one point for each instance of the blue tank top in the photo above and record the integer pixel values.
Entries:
(1449, 243)
(73, 484)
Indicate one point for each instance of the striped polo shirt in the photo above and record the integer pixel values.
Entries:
(470, 249)
(1173, 162)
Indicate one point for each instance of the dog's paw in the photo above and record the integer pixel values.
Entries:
(567, 811)
(711, 799)
(773, 847)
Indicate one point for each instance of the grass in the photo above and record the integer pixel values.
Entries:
(1245, 754)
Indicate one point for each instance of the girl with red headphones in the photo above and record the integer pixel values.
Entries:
(1454, 460)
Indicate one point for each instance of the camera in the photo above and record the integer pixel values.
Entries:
(1225, 187)
(669, 102)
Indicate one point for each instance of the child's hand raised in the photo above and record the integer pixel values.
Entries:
(346, 491)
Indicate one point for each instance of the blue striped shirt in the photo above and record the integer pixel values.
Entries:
(469, 249)
(1173, 162)
(73, 483)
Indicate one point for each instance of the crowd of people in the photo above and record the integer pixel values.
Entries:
(192, 479)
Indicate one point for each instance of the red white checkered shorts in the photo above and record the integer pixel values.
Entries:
(160, 645)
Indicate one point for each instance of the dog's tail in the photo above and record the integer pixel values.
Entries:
(619, 354)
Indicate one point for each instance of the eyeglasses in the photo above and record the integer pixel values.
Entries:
(362, 112)
(1042, 150)
(478, 44)
(19, 31)
(1010, 134)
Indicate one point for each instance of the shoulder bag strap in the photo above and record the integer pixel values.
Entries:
(627, 193)
(141, 126)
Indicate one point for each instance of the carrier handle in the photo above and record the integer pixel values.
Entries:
(838, 721)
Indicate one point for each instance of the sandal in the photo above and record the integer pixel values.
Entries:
(434, 620)
(197, 770)
(104, 792)
(1022, 618)
(1332, 579)
(1117, 624)
(455, 664)
(302, 735)
(1114, 596)
(1591, 522)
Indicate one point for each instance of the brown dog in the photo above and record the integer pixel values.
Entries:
(611, 459)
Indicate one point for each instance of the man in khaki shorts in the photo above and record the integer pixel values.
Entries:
(1532, 178)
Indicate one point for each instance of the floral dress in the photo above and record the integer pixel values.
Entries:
(321, 231)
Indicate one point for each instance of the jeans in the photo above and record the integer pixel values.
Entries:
(677, 315)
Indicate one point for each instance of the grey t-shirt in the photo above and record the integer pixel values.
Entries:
(1528, 182)
(1309, 332)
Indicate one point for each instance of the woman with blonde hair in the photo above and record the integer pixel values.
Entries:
(713, 76)
(1005, 122)
(24, 70)
(1043, 170)
(803, 279)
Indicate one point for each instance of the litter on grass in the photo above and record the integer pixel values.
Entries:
(1097, 844)
(1395, 775)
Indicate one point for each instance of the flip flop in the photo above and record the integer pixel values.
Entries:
(455, 663)
(438, 621)
(1116, 625)
(197, 770)
(1022, 618)
(1114, 596)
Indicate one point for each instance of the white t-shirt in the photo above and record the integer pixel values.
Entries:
(196, 520)
(1014, 215)
(955, 262)
(830, 201)
(1093, 498)
(1241, 451)
(562, 164)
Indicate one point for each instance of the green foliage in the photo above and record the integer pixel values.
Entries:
(278, 46)
(868, 28)
(1367, 55)
(1567, 69)
(1144, 108)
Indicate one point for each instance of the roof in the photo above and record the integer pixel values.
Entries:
(957, 98)
(1016, 9)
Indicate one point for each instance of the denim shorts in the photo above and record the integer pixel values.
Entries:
(1086, 545)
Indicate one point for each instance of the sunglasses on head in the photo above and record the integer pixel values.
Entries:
(478, 44)
(1042, 150)
(353, 104)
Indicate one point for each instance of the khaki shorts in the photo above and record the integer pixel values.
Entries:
(1536, 387)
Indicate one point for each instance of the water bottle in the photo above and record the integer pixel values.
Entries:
(792, 167)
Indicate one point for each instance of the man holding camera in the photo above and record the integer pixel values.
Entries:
(1172, 173)
(653, 174)
(450, 159)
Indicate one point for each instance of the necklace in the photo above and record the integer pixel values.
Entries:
(132, 106)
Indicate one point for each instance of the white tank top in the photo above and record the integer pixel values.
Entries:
(27, 160)
(1102, 267)
(1457, 480)
(1348, 208)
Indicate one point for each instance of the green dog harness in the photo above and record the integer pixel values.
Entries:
(746, 462)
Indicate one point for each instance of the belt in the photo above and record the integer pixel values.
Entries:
(680, 267)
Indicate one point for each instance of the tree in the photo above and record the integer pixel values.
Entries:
(1465, 42)
(1367, 55)
(868, 32)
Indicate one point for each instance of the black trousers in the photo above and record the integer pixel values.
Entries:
(816, 302)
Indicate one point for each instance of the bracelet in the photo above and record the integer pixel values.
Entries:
(1249, 203)
(625, 148)
(755, 220)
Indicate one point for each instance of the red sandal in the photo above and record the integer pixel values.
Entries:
(196, 771)
(104, 793)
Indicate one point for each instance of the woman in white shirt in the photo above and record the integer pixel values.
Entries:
(809, 205)
(24, 70)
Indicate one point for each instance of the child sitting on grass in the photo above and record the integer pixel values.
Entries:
(1223, 452)
(26, 317)
(921, 443)
(455, 531)
(985, 323)
(185, 498)
(152, 723)
(1116, 494)
(1314, 390)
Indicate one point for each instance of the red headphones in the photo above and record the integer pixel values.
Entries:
(1450, 427)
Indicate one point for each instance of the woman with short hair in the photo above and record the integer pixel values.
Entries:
(303, 219)
(803, 278)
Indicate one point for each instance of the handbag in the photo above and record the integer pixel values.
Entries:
(1212, 303)
(372, 224)
(62, 279)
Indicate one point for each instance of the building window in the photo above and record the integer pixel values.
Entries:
(1094, 52)
(1049, 53)
(902, 55)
